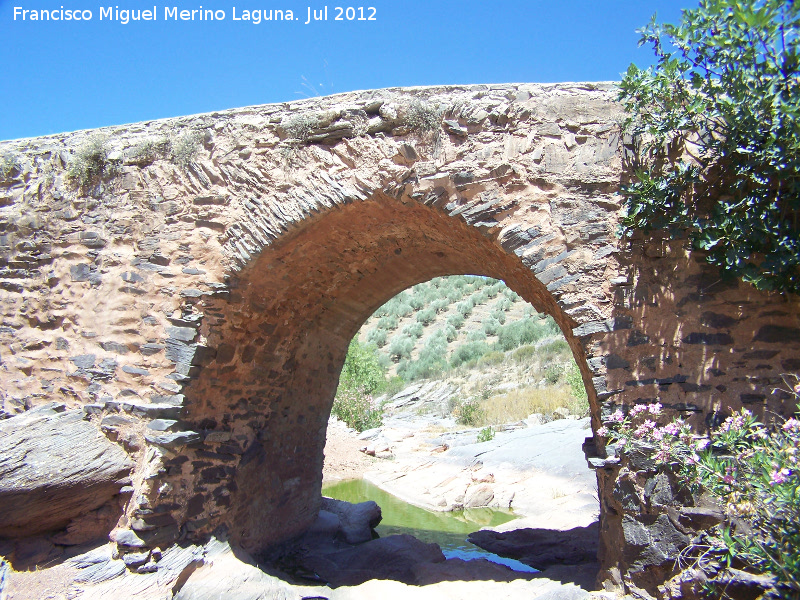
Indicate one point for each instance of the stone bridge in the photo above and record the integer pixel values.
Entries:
(192, 284)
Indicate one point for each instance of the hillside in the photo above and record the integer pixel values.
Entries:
(501, 359)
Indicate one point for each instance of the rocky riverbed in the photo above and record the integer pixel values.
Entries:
(535, 467)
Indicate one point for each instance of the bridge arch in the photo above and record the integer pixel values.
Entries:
(281, 335)
(208, 295)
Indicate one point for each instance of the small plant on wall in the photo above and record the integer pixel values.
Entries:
(10, 166)
(91, 163)
(184, 148)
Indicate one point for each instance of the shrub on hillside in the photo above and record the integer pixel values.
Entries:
(456, 321)
(388, 322)
(486, 435)
(454, 294)
(400, 347)
(575, 381)
(426, 316)
(491, 326)
(413, 330)
(526, 331)
(479, 297)
(524, 354)
(476, 335)
(519, 333)
(551, 350)
(425, 367)
(440, 305)
(499, 315)
(401, 309)
(491, 358)
(377, 336)
(468, 413)
(362, 376)
(467, 352)
(431, 361)
(362, 369)
(504, 304)
(553, 373)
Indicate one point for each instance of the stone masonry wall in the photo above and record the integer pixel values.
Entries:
(197, 299)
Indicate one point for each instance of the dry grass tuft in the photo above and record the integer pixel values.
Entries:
(519, 404)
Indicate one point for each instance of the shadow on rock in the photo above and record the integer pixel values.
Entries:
(569, 556)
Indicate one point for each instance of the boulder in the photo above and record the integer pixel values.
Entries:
(233, 579)
(542, 548)
(55, 467)
(356, 520)
(397, 557)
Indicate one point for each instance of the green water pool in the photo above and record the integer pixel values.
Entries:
(448, 529)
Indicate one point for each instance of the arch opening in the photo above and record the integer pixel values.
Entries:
(281, 339)
(463, 387)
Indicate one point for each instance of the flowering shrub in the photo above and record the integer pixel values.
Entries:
(357, 408)
(468, 412)
(752, 470)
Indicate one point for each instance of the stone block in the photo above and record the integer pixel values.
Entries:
(53, 468)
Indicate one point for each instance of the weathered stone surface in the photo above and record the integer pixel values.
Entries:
(700, 337)
(652, 541)
(234, 580)
(394, 557)
(174, 439)
(482, 495)
(542, 548)
(53, 468)
(776, 334)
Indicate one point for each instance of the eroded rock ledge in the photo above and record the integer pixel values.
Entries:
(57, 470)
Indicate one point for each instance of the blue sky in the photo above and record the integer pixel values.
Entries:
(63, 76)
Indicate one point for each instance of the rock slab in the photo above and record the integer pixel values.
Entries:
(54, 467)
(542, 548)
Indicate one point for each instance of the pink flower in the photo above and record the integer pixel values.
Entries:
(645, 428)
(671, 429)
(655, 409)
(780, 476)
(663, 455)
(728, 479)
(792, 425)
(603, 431)
(735, 422)
(702, 445)
(658, 434)
(639, 408)
(617, 417)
